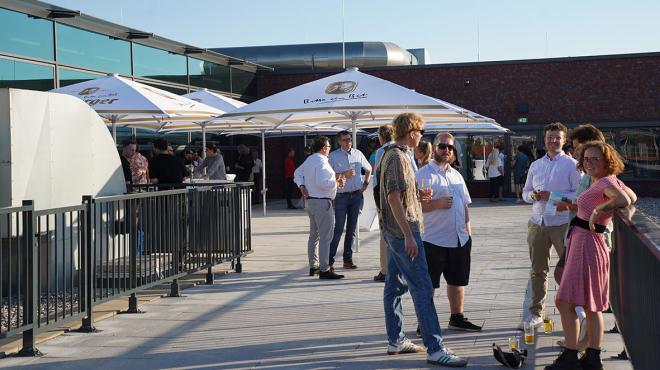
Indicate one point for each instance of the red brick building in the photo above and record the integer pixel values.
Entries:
(618, 93)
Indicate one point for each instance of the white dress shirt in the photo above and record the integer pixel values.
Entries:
(445, 227)
(554, 175)
(341, 161)
(379, 156)
(317, 176)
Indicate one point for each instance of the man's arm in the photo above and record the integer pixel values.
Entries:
(529, 186)
(468, 225)
(399, 213)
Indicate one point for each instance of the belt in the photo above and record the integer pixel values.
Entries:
(576, 221)
(350, 192)
(318, 198)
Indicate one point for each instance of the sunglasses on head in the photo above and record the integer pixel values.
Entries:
(445, 146)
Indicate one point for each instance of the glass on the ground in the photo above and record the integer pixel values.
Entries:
(529, 333)
(514, 343)
(547, 325)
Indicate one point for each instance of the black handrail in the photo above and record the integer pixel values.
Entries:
(56, 264)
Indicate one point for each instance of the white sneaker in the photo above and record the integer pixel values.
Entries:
(445, 357)
(404, 345)
(535, 320)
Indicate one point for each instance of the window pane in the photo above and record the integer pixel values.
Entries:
(210, 75)
(159, 64)
(639, 148)
(25, 75)
(92, 50)
(69, 77)
(22, 35)
(244, 82)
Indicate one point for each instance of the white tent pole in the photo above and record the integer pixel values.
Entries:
(203, 141)
(304, 140)
(114, 129)
(263, 169)
(357, 228)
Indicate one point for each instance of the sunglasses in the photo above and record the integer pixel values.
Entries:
(445, 146)
(421, 132)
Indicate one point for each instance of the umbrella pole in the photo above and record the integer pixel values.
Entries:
(203, 141)
(263, 169)
(114, 129)
(357, 229)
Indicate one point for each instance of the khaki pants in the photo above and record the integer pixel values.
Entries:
(539, 239)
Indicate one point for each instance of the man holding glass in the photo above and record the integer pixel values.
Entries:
(447, 232)
(554, 175)
(349, 163)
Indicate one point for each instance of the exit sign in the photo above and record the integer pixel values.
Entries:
(522, 120)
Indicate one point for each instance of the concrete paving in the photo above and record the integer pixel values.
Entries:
(274, 316)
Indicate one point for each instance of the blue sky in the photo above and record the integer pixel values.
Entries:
(452, 31)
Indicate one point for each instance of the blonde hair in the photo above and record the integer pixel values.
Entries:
(440, 135)
(406, 122)
(426, 149)
(494, 157)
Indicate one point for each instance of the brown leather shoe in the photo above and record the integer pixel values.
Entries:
(350, 265)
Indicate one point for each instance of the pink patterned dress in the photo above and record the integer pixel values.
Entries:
(585, 281)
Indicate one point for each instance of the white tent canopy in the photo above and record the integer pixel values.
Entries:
(350, 96)
(123, 102)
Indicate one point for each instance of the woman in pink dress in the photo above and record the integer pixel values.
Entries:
(585, 281)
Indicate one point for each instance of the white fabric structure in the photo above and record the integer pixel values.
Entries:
(354, 97)
(54, 149)
(123, 102)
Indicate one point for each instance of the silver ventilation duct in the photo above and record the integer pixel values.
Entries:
(324, 56)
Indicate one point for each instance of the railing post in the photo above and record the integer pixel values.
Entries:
(31, 310)
(238, 198)
(88, 280)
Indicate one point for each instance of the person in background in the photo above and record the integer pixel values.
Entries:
(349, 162)
(307, 151)
(165, 168)
(318, 185)
(520, 165)
(423, 153)
(495, 172)
(256, 176)
(126, 167)
(213, 163)
(244, 164)
(289, 171)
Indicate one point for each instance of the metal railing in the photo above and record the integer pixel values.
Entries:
(635, 286)
(56, 264)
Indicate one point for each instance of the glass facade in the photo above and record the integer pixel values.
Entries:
(26, 75)
(243, 82)
(23, 35)
(92, 50)
(70, 77)
(209, 75)
(159, 64)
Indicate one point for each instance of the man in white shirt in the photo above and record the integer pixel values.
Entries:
(447, 231)
(554, 173)
(318, 184)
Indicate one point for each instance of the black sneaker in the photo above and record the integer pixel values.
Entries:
(462, 323)
(591, 360)
(567, 360)
(330, 275)
(379, 277)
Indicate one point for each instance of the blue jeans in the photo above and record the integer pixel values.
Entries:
(403, 274)
(347, 210)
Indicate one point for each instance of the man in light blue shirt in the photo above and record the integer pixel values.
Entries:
(348, 162)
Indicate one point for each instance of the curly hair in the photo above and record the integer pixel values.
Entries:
(586, 132)
(406, 122)
(612, 159)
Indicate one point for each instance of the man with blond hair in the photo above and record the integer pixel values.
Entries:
(402, 223)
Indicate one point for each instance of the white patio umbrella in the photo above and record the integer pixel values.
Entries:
(350, 96)
(123, 102)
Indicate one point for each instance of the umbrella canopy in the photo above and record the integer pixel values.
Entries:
(214, 100)
(123, 102)
(350, 96)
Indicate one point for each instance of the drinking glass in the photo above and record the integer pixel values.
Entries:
(514, 343)
(529, 333)
(547, 325)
